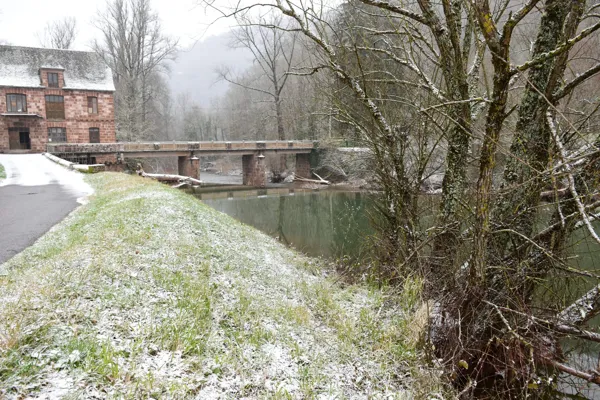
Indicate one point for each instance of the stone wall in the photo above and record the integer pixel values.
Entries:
(254, 172)
(303, 166)
(108, 159)
(189, 166)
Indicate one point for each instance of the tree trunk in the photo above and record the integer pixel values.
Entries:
(530, 146)
(280, 130)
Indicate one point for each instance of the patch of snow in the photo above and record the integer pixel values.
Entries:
(280, 365)
(57, 386)
(165, 365)
(37, 170)
(354, 149)
(146, 195)
(73, 81)
(18, 75)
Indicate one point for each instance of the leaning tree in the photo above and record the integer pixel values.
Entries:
(273, 50)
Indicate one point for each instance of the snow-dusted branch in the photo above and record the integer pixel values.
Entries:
(570, 178)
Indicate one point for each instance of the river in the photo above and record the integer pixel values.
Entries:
(320, 223)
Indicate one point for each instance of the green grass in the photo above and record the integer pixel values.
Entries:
(146, 292)
(2, 172)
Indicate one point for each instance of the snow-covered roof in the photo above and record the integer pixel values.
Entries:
(20, 67)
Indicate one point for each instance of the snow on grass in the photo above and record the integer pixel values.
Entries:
(147, 292)
(2, 173)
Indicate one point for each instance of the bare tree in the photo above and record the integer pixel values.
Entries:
(3, 41)
(160, 110)
(166, 114)
(273, 50)
(135, 48)
(59, 34)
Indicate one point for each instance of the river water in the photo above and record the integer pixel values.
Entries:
(319, 223)
(332, 223)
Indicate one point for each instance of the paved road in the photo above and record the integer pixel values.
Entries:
(36, 195)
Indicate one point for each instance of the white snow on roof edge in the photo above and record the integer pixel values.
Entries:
(20, 67)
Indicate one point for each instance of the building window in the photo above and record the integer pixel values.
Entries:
(55, 107)
(94, 135)
(52, 79)
(92, 105)
(57, 135)
(16, 103)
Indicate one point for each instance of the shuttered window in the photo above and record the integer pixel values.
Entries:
(57, 135)
(16, 103)
(94, 135)
(55, 107)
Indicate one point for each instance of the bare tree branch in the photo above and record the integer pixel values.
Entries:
(59, 34)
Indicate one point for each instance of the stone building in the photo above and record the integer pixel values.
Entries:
(49, 95)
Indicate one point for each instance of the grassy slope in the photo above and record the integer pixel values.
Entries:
(145, 291)
(2, 172)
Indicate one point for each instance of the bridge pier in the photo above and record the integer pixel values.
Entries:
(253, 166)
(303, 165)
(189, 166)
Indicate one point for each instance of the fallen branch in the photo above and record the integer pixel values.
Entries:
(169, 178)
(323, 180)
(580, 333)
(320, 181)
(558, 327)
(590, 376)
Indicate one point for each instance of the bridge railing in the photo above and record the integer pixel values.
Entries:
(137, 147)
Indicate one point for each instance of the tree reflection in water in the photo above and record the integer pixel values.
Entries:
(331, 224)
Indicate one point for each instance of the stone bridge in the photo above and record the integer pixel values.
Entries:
(188, 153)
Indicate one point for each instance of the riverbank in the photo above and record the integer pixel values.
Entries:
(147, 292)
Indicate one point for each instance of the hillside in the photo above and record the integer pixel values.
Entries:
(146, 292)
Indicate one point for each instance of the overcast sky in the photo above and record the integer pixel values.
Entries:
(21, 20)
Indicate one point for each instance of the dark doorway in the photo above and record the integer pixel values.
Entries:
(18, 139)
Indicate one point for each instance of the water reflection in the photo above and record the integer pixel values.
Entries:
(328, 223)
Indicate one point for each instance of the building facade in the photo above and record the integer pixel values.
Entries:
(56, 96)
